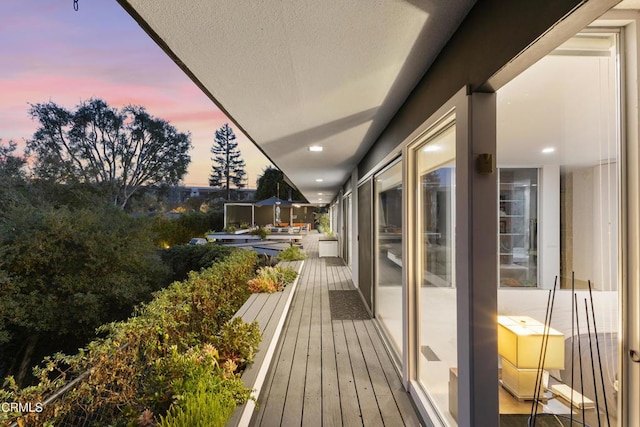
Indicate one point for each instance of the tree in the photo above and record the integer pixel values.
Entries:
(64, 272)
(12, 177)
(228, 166)
(10, 164)
(122, 150)
(271, 182)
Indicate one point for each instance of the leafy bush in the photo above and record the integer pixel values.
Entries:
(292, 253)
(158, 359)
(261, 231)
(176, 231)
(263, 284)
(237, 342)
(271, 279)
(182, 259)
(206, 400)
(323, 221)
(64, 272)
(207, 391)
(200, 408)
(288, 275)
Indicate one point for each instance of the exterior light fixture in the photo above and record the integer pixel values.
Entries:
(316, 148)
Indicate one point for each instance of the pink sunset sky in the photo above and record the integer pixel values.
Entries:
(52, 53)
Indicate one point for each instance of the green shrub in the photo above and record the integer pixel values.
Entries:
(169, 232)
(199, 378)
(182, 259)
(287, 275)
(66, 271)
(271, 279)
(292, 253)
(143, 365)
(200, 406)
(260, 285)
(237, 342)
(323, 221)
(200, 409)
(261, 231)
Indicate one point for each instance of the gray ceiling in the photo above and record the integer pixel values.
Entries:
(297, 73)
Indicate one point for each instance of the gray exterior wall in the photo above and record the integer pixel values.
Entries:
(493, 33)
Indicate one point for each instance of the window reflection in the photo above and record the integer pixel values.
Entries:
(389, 255)
(435, 251)
(558, 142)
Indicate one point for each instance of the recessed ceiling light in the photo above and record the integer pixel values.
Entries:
(431, 148)
(319, 180)
(319, 194)
(316, 148)
(548, 150)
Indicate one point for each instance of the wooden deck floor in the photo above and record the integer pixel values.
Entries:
(330, 372)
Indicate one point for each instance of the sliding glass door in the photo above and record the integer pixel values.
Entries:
(559, 210)
(435, 287)
(388, 248)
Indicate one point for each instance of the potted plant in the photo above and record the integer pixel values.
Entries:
(323, 222)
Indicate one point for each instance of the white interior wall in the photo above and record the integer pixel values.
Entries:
(605, 227)
(549, 225)
(533, 303)
(583, 223)
(595, 222)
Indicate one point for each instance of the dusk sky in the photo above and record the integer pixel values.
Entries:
(52, 53)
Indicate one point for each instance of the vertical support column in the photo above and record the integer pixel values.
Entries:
(477, 263)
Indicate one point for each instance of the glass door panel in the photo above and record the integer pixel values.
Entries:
(435, 251)
(574, 145)
(388, 284)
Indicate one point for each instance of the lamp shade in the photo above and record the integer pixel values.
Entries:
(520, 341)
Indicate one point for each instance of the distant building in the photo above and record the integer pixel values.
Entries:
(237, 194)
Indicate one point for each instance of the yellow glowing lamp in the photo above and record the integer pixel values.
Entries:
(520, 341)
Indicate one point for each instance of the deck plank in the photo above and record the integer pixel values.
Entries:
(407, 410)
(265, 314)
(330, 372)
(312, 413)
(272, 406)
(269, 317)
(366, 398)
(386, 402)
(248, 311)
(350, 408)
(331, 413)
(294, 402)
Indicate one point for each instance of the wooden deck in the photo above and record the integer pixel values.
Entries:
(269, 310)
(330, 372)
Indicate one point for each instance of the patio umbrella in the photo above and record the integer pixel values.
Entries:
(277, 203)
(272, 201)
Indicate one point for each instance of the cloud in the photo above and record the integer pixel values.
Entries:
(51, 53)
